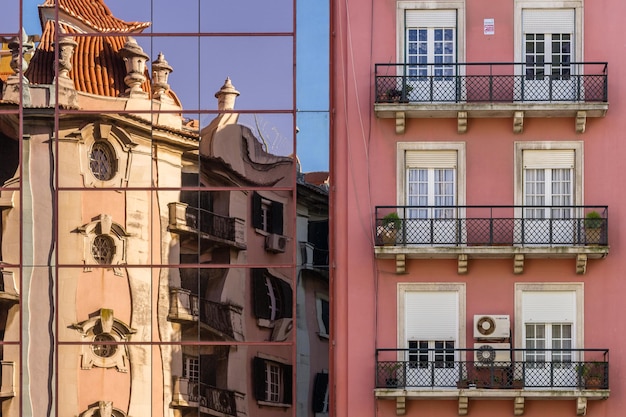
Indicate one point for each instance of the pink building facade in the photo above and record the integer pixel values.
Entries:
(475, 160)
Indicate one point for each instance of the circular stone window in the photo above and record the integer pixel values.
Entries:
(102, 161)
(103, 249)
(101, 345)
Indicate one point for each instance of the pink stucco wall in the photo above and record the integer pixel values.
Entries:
(364, 174)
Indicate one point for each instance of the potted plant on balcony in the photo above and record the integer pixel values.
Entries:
(396, 94)
(393, 379)
(388, 229)
(592, 374)
(593, 228)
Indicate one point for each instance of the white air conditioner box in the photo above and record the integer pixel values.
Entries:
(489, 354)
(275, 243)
(492, 326)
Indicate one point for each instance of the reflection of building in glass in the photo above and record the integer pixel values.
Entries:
(148, 263)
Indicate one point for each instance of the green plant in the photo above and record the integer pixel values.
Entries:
(593, 220)
(397, 93)
(592, 374)
(392, 221)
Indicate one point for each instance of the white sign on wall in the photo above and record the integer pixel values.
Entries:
(489, 27)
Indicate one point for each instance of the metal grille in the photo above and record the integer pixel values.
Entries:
(496, 228)
(491, 82)
(515, 374)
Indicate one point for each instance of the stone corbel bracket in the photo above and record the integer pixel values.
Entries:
(400, 122)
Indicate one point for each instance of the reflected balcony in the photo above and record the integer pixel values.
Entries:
(220, 319)
(7, 387)
(208, 399)
(8, 290)
(517, 232)
(213, 230)
(490, 90)
(492, 373)
(314, 258)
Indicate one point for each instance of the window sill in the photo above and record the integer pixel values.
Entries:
(271, 404)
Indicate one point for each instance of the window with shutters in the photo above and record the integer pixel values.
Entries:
(431, 326)
(267, 215)
(431, 32)
(548, 324)
(548, 40)
(548, 184)
(431, 41)
(431, 183)
(272, 381)
(322, 309)
(273, 297)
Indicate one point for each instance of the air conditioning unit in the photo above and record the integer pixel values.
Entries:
(492, 326)
(489, 354)
(275, 243)
(282, 330)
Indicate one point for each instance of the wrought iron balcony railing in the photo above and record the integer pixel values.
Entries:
(493, 368)
(493, 82)
(314, 257)
(188, 219)
(191, 393)
(491, 225)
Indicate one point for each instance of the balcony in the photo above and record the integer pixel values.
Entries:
(488, 90)
(464, 374)
(210, 228)
(208, 399)
(7, 386)
(517, 232)
(8, 290)
(223, 320)
(314, 258)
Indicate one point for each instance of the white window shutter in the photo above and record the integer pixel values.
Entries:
(431, 159)
(543, 159)
(430, 18)
(549, 306)
(431, 315)
(548, 21)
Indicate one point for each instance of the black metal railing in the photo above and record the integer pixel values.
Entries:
(312, 256)
(491, 225)
(217, 316)
(220, 400)
(504, 82)
(208, 396)
(511, 368)
(210, 223)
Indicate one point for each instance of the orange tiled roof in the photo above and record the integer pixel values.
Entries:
(96, 15)
(97, 67)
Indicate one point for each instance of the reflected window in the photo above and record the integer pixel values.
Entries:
(103, 346)
(103, 249)
(322, 307)
(267, 215)
(102, 161)
(320, 393)
(272, 381)
(273, 298)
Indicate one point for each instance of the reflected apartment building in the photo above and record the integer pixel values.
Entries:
(150, 264)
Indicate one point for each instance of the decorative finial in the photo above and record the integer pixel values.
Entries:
(135, 60)
(161, 70)
(226, 96)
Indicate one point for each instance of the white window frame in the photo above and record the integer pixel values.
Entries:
(404, 287)
(402, 149)
(579, 325)
(319, 300)
(403, 6)
(578, 172)
(520, 5)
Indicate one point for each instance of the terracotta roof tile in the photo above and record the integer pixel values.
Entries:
(96, 15)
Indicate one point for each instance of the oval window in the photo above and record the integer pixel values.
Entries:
(102, 161)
